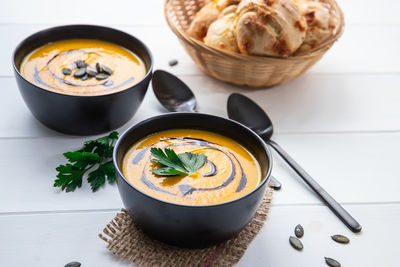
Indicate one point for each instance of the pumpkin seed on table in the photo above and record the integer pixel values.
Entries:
(102, 76)
(296, 243)
(332, 262)
(173, 62)
(66, 71)
(80, 72)
(73, 264)
(299, 231)
(341, 239)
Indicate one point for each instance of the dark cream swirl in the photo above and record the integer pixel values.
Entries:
(106, 83)
(229, 172)
(44, 67)
(187, 189)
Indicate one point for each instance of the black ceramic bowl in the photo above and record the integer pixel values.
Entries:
(184, 225)
(82, 115)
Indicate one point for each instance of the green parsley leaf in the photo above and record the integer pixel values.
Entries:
(69, 177)
(167, 171)
(93, 153)
(106, 140)
(193, 162)
(173, 164)
(168, 159)
(99, 176)
(82, 159)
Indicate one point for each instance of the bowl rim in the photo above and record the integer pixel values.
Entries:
(65, 27)
(249, 131)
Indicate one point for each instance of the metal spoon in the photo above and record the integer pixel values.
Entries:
(176, 96)
(172, 92)
(247, 112)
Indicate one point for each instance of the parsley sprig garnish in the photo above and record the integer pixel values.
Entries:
(94, 153)
(173, 164)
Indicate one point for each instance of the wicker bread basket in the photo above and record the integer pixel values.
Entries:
(243, 70)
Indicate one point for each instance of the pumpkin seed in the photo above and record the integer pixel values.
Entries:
(98, 67)
(80, 72)
(299, 231)
(67, 71)
(173, 62)
(331, 262)
(73, 264)
(85, 77)
(296, 243)
(106, 70)
(102, 76)
(341, 239)
(91, 73)
(80, 64)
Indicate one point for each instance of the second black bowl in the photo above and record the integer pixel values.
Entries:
(184, 225)
(82, 115)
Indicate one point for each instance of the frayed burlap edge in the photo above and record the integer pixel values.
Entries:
(126, 241)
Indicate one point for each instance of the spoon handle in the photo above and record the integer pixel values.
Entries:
(340, 212)
(274, 183)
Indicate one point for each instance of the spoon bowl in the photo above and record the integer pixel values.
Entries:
(172, 92)
(243, 110)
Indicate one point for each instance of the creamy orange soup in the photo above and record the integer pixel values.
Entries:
(44, 67)
(229, 173)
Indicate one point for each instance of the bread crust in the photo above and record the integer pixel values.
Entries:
(222, 32)
(207, 15)
(270, 28)
(322, 22)
(278, 28)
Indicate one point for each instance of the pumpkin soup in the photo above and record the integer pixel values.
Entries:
(83, 67)
(229, 170)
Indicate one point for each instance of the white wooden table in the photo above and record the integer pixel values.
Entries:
(340, 121)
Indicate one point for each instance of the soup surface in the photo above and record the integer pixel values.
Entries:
(48, 67)
(229, 172)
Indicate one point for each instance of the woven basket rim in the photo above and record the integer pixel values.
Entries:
(199, 45)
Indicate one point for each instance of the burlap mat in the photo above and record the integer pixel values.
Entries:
(130, 243)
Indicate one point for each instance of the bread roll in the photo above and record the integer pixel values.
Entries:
(322, 21)
(269, 27)
(221, 33)
(207, 14)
